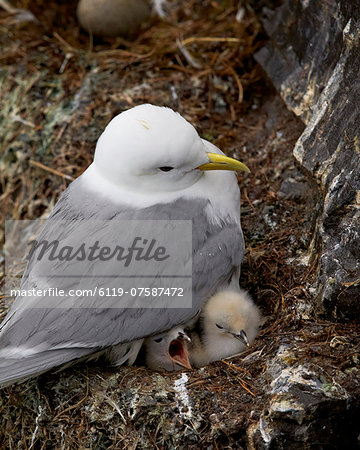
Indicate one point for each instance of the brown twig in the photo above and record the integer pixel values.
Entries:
(233, 366)
(248, 200)
(208, 39)
(76, 404)
(7, 7)
(49, 169)
(239, 84)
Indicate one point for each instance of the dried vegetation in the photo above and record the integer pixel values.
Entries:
(59, 88)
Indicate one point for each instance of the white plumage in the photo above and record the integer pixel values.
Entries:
(150, 163)
(167, 351)
(228, 324)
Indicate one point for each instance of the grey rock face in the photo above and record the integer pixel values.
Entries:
(307, 407)
(313, 59)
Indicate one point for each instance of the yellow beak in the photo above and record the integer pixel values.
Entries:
(221, 162)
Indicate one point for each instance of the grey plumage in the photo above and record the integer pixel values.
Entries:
(34, 338)
(68, 334)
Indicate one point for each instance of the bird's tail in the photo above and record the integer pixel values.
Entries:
(18, 370)
(15, 370)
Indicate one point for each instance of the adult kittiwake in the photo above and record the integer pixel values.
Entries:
(150, 166)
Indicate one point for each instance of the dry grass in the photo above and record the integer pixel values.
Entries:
(59, 89)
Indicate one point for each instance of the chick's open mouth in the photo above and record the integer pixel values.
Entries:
(179, 353)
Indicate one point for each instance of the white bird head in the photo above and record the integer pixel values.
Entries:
(154, 148)
(167, 351)
(230, 322)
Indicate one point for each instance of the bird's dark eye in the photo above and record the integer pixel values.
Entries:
(158, 340)
(166, 168)
(219, 326)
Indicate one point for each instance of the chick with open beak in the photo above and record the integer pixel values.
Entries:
(167, 351)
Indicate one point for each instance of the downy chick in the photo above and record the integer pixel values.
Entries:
(167, 351)
(228, 324)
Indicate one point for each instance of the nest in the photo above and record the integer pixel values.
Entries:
(60, 88)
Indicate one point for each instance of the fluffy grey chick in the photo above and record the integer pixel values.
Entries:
(228, 324)
(167, 351)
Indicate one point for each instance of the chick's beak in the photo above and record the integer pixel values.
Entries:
(182, 335)
(179, 353)
(242, 337)
(222, 162)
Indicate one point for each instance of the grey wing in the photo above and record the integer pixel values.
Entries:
(35, 337)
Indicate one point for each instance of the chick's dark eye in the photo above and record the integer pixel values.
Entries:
(166, 168)
(158, 340)
(219, 326)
